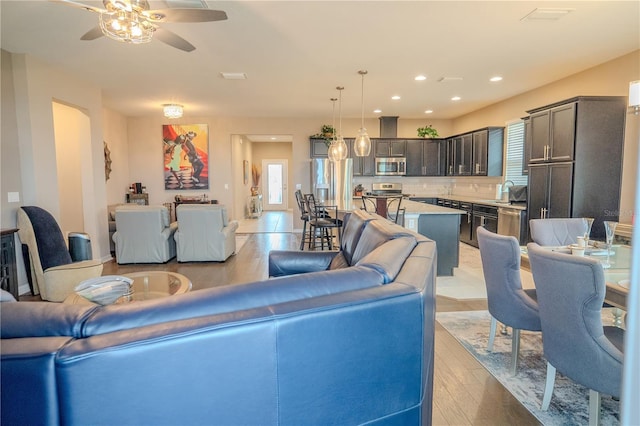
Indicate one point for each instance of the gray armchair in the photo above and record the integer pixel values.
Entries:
(508, 302)
(557, 232)
(571, 290)
(204, 233)
(144, 234)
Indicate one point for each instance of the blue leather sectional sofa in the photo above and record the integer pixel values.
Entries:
(335, 339)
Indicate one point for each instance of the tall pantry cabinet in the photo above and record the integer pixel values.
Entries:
(575, 159)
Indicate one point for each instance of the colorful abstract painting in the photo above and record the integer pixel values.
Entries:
(186, 156)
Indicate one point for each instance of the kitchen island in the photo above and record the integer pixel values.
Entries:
(441, 224)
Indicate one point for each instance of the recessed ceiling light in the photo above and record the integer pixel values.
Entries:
(496, 78)
(456, 98)
(273, 138)
(233, 75)
(429, 111)
(377, 111)
(395, 97)
(420, 78)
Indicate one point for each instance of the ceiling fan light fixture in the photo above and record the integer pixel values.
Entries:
(173, 110)
(128, 27)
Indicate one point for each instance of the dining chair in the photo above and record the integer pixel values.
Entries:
(508, 302)
(570, 291)
(369, 204)
(395, 212)
(557, 231)
(304, 217)
(323, 220)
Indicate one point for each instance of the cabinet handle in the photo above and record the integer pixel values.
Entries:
(460, 169)
(450, 170)
(468, 217)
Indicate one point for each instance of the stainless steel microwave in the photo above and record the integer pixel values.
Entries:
(391, 166)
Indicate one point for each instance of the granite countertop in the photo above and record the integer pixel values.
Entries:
(414, 207)
(476, 200)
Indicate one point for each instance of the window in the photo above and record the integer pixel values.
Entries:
(515, 151)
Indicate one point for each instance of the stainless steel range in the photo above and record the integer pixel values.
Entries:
(386, 189)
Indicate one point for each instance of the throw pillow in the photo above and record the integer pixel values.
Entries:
(338, 262)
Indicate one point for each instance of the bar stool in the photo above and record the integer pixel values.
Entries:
(323, 220)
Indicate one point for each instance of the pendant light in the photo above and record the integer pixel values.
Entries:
(362, 144)
(340, 146)
(332, 146)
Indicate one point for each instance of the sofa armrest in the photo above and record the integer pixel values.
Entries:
(289, 262)
(170, 230)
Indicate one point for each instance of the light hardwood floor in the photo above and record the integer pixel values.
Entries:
(464, 392)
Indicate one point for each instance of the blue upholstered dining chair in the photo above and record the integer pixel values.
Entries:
(557, 231)
(508, 302)
(571, 290)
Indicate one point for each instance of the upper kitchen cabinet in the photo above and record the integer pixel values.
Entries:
(487, 151)
(426, 157)
(553, 133)
(389, 147)
(584, 137)
(318, 148)
(526, 148)
(362, 166)
(459, 155)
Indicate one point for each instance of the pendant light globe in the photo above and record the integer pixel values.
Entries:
(332, 146)
(362, 144)
(339, 145)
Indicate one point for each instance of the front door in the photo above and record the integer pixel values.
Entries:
(274, 184)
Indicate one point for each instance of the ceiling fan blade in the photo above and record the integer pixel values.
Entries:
(174, 40)
(79, 5)
(185, 15)
(92, 34)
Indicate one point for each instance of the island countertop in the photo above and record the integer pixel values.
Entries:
(411, 207)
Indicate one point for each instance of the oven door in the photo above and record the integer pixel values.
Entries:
(390, 167)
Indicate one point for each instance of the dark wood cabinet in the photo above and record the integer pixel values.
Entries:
(362, 166)
(8, 269)
(488, 147)
(459, 155)
(526, 148)
(389, 147)
(426, 157)
(576, 150)
(434, 157)
(415, 154)
(318, 148)
(550, 189)
(553, 134)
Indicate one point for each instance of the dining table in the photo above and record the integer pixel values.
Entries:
(616, 262)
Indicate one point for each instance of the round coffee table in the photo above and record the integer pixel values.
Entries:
(146, 285)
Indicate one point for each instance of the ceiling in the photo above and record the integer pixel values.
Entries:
(295, 53)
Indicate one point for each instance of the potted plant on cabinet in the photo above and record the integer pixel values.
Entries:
(326, 133)
(427, 132)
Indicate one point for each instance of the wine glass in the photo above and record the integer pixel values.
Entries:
(610, 230)
(587, 232)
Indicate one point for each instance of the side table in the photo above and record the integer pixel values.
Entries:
(254, 206)
(8, 269)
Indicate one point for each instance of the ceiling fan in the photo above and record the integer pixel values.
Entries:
(132, 21)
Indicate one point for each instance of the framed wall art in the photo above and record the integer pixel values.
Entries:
(186, 156)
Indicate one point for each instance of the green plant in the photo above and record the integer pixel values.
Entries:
(427, 132)
(326, 133)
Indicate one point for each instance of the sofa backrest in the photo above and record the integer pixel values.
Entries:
(374, 234)
(218, 300)
(354, 223)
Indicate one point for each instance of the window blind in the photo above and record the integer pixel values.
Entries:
(515, 151)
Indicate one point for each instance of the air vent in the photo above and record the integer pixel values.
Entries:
(547, 14)
(233, 75)
(449, 79)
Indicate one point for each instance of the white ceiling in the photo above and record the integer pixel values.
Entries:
(296, 52)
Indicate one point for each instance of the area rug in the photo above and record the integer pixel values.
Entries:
(241, 240)
(569, 404)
